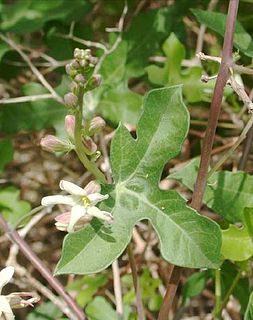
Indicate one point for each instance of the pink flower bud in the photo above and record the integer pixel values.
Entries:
(53, 144)
(70, 125)
(79, 78)
(70, 100)
(96, 125)
(90, 145)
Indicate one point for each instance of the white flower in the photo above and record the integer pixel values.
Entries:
(5, 308)
(13, 300)
(82, 201)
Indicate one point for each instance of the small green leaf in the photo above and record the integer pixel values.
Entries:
(195, 284)
(227, 193)
(172, 73)
(46, 311)
(11, 206)
(186, 238)
(6, 153)
(237, 244)
(217, 21)
(100, 309)
(3, 49)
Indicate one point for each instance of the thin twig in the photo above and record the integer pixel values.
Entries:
(86, 43)
(117, 41)
(140, 309)
(200, 40)
(39, 265)
(38, 74)
(45, 96)
(28, 278)
(247, 144)
(117, 289)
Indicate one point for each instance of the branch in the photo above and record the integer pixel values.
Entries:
(223, 75)
(45, 96)
(39, 265)
(140, 310)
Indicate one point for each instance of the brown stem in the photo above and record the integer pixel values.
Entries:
(170, 293)
(140, 310)
(223, 75)
(246, 150)
(39, 265)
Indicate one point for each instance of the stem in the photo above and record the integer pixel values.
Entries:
(218, 308)
(117, 289)
(246, 150)
(140, 310)
(170, 293)
(79, 147)
(197, 197)
(223, 75)
(230, 290)
(39, 265)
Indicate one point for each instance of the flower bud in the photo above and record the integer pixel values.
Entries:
(75, 64)
(63, 220)
(53, 144)
(70, 125)
(90, 145)
(83, 63)
(79, 78)
(70, 70)
(70, 100)
(73, 86)
(94, 82)
(96, 125)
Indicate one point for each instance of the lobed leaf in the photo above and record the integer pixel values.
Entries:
(186, 238)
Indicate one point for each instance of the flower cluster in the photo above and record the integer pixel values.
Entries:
(80, 72)
(82, 203)
(14, 300)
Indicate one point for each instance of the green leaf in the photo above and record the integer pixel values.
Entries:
(227, 193)
(11, 206)
(86, 287)
(237, 244)
(29, 16)
(193, 88)
(120, 105)
(187, 238)
(3, 49)
(6, 153)
(113, 99)
(153, 27)
(195, 284)
(35, 115)
(249, 311)
(46, 311)
(242, 289)
(217, 22)
(100, 309)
